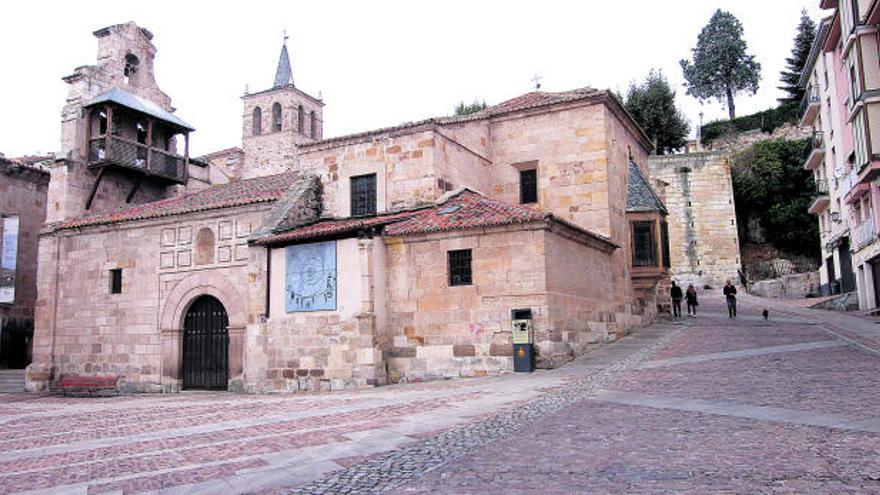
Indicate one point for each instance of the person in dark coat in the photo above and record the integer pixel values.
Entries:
(730, 295)
(690, 296)
(675, 292)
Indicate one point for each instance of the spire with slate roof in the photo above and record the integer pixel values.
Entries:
(283, 74)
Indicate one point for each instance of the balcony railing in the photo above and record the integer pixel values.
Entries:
(821, 187)
(815, 153)
(809, 105)
(133, 155)
(864, 234)
(848, 182)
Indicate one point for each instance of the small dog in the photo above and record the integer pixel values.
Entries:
(766, 313)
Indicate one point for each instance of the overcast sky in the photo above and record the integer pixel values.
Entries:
(376, 63)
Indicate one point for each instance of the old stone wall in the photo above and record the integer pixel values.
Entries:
(323, 350)
(703, 235)
(568, 149)
(583, 308)
(437, 330)
(272, 151)
(84, 329)
(23, 194)
(795, 286)
(406, 174)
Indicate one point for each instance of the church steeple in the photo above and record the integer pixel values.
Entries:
(283, 74)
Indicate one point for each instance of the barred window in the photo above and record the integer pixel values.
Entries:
(644, 250)
(116, 281)
(363, 195)
(460, 267)
(664, 239)
(528, 186)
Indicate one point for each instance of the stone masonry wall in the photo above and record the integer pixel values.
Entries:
(703, 235)
(23, 194)
(437, 330)
(404, 165)
(82, 328)
(271, 151)
(580, 294)
(323, 350)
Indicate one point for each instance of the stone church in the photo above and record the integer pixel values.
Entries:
(299, 262)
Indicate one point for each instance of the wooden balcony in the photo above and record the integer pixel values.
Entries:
(132, 155)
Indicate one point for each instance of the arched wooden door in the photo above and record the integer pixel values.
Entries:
(206, 345)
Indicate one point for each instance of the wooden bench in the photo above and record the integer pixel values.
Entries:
(80, 385)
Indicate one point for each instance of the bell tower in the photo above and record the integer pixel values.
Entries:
(121, 143)
(276, 120)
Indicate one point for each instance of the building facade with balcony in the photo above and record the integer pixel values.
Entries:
(849, 40)
(824, 157)
(316, 263)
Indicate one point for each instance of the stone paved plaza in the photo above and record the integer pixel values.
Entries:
(702, 405)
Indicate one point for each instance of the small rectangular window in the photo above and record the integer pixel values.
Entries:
(460, 267)
(116, 281)
(528, 186)
(644, 249)
(664, 238)
(363, 195)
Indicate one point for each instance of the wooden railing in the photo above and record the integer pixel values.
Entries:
(133, 155)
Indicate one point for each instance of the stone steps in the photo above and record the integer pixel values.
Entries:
(11, 381)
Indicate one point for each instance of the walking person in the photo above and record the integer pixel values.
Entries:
(730, 295)
(690, 296)
(675, 292)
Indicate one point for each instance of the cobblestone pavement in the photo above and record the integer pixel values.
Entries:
(701, 405)
(790, 405)
(224, 443)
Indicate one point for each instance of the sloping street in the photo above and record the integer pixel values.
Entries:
(789, 404)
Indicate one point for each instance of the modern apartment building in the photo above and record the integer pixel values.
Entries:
(842, 103)
(831, 143)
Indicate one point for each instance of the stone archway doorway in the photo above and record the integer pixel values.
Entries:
(206, 345)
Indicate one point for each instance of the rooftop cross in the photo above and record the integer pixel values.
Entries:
(537, 81)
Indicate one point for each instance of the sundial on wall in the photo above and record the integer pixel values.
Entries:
(311, 277)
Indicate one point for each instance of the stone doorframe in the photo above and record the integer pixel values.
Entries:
(174, 311)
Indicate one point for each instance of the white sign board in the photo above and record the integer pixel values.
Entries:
(8, 254)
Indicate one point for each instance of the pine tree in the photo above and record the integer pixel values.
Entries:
(652, 105)
(721, 68)
(806, 33)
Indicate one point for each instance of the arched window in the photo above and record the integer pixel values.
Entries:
(314, 124)
(300, 120)
(276, 117)
(205, 246)
(130, 68)
(258, 121)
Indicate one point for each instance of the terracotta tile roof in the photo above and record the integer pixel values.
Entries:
(537, 99)
(465, 210)
(334, 227)
(523, 102)
(243, 192)
(461, 210)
